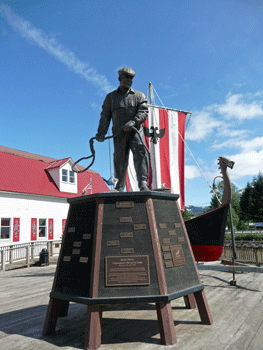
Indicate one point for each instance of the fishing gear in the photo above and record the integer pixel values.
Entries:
(126, 127)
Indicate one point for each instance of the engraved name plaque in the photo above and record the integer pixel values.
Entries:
(181, 239)
(83, 259)
(139, 227)
(113, 243)
(125, 219)
(172, 233)
(167, 256)
(162, 225)
(169, 264)
(76, 251)
(178, 255)
(71, 229)
(127, 251)
(66, 258)
(126, 271)
(166, 241)
(177, 225)
(124, 205)
(86, 236)
(126, 235)
(165, 248)
(76, 244)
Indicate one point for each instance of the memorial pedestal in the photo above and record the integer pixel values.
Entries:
(125, 248)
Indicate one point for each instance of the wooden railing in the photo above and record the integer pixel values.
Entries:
(26, 253)
(250, 252)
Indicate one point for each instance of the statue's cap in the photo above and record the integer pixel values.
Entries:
(127, 71)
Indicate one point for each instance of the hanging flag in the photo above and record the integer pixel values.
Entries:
(88, 187)
(164, 132)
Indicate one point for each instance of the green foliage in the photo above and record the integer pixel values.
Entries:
(243, 226)
(245, 237)
(187, 215)
(251, 201)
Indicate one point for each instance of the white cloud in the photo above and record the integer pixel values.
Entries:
(237, 107)
(191, 172)
(247, 164)
(202, 125)
(54, 48)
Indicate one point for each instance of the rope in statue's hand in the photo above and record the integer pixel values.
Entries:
(91, 143)
(127, 127)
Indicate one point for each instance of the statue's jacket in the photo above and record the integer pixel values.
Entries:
(121, 108)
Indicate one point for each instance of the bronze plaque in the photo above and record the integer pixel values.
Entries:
(166, 241)
(124, 204)
(177, 225)
(167, 256)
(165, 248)
(76, 244)
(139, 227)
(178, 255)
(126, 235)
(113, 243)
(76, 251)
(125, 219)
(83, 259)
(127, 271)
(169, 264)
(86, 236)
(172, 233)
(127, 251)
(181, 239)
(162, 225)
(67, 258)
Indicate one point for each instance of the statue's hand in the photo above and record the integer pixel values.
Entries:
(100, 137)
(128, 126)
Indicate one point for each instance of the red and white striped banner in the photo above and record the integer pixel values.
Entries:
(164, 132)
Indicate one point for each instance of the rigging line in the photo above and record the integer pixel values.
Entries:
(190, 115)
(158, 96)
(194, 159)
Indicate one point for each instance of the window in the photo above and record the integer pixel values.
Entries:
(64, 175)
(72, 177)
(42, 224)
(5, 228)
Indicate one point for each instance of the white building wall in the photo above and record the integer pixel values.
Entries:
(25, 207)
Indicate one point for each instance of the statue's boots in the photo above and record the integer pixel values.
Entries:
(143, 186)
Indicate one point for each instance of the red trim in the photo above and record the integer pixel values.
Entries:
(33, 229)
(50, 228)
(63, 225)
(16, 229)
(181, 150)
(207, 252)
(208, 212)
(164, 148)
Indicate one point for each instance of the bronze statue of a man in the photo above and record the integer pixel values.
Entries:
(126, 108)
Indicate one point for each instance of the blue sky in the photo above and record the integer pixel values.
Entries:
(60, 58)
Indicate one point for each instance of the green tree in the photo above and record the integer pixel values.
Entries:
(257, 198)
(187, 215)
(235, 203)
(246, 203)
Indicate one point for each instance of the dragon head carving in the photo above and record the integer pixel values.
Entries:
(225, 162)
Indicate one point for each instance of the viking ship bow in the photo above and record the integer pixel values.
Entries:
(207, 232)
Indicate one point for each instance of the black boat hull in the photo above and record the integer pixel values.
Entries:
(207, 233)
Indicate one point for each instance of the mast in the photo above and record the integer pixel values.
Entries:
(151, 97)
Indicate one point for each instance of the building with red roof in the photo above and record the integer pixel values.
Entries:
(33, 194)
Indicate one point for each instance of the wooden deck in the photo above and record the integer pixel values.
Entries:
(237, 313)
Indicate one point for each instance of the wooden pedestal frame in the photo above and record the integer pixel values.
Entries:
(59, 307)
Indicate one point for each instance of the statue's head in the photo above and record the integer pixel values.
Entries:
(126, 76)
